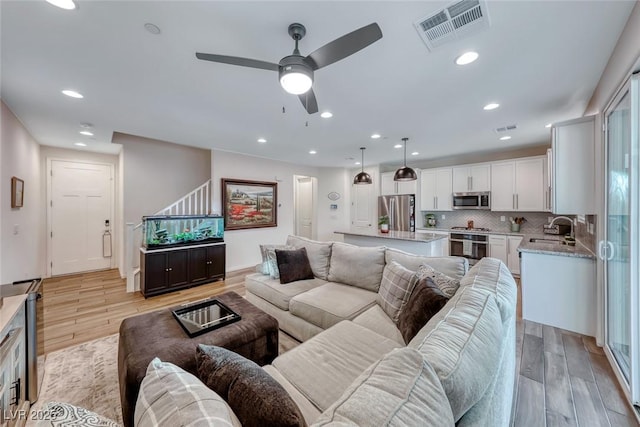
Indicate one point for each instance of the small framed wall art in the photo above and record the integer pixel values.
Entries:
(17, 192)
(249, 204)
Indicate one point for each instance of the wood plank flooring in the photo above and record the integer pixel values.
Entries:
(562, 378)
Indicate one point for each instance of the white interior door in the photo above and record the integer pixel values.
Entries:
(80, 204)
(304, 207)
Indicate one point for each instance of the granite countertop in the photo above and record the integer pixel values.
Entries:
(399, 235)
(448, 230)
(10, 306)
(577, 251)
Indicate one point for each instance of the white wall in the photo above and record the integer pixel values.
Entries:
(22, 255)
(72, 155)
(157, 173)
(242, 245)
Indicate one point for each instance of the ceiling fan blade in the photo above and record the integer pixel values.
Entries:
(344, 46)
(309, 102)
(236, 60)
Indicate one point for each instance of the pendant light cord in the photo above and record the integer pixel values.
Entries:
(405, 151)
(362, 152)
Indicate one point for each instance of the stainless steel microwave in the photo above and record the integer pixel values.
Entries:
(475, 200)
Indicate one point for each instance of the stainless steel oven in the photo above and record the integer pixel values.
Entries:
(471, 246)
(474, 200)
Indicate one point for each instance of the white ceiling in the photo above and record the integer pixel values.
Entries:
(541, 60)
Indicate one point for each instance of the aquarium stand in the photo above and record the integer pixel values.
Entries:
(170, 269)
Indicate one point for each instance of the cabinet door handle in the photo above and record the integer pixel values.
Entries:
(471, 179)
(517, 202)
(436, 202)
(166, 269)
(549, 195)
(513, 201)
(469, 183)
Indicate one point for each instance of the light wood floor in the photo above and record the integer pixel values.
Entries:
(562, 378)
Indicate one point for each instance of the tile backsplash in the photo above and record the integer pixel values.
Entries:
(586, 233)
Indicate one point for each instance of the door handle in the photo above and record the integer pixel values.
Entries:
(613, 251)
(600, 249)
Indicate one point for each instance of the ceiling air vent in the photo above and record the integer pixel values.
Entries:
(506, 128)
(459, 20)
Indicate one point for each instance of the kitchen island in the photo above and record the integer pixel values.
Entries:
(558, 283)
(426, 244)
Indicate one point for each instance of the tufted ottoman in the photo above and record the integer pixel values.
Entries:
(158, 334)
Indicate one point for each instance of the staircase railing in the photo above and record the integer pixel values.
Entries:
(196, 202)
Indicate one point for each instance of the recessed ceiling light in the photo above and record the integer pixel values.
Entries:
(86, 132)
(467, 58)
(152, 28)
(72, 93)
(415, 153)
(312, 152)
(80, 144)
(262, 140)
(326, 115)
(505, 138)
(548, 125)
(375, 136)
(397, 146)
(63, 4)
(357, 163)
(491, 106)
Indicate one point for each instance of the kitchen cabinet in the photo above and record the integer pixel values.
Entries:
(505, 248)
(435, 190)
(573, 167)
(390, 187)
(518, 185)
(471, 178)
(559, 291)
(168, 270)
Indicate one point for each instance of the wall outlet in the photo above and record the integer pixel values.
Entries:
(443, 216)
(503, 218)
(16, 229)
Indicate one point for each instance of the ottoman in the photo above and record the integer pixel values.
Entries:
(158, 334)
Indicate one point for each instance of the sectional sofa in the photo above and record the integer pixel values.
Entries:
(354, 368)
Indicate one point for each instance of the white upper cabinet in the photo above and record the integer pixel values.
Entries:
(573, 166)
(390, 187)
(518, 185)
(471, 178)
(435, 190)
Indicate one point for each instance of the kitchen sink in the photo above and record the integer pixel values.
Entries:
(541, 240)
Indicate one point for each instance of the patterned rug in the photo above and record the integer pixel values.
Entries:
(85, 375)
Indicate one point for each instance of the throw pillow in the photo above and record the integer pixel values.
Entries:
(270, 264)
(425, 301)
(65, 414)
(255, 397)
(448, 285)
(395, 289)
(171, 396)
(293, 265)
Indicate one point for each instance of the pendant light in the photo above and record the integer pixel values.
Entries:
(405, 173)
(362, 177)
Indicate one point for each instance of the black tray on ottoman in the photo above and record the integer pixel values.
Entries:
(202, 316)
(158, 334)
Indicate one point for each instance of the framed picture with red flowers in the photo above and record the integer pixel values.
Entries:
(249, 204)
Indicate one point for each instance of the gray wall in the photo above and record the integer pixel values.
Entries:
(157, 173)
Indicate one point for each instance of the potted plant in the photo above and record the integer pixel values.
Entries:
(383, 224)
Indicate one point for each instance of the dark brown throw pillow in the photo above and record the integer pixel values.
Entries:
(293, 265)
(255, 397)
(425, 301)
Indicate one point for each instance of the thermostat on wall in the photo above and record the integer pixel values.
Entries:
(334, 207)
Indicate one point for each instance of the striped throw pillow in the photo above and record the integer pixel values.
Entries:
(395, 289)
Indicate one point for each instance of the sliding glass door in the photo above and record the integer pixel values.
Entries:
(619, 250)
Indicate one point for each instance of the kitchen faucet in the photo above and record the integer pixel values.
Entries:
(553, 221)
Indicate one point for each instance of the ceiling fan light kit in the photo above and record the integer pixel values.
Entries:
(296, 71)
(405, 173)
(362, 177)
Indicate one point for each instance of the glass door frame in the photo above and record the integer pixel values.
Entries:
(632, 386)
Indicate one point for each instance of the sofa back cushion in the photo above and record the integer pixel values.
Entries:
(319, 254)
(454, 267)
(405, 389)
(463, 343)
(357, 266)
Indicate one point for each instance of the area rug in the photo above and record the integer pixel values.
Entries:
(85, 375)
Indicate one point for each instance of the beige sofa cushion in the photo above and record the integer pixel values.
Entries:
(377, 320)
(276, 293)
(331, 303)
(455, 267)
(323, 367)
(357, 266)
(309, 412)
(319, 254)
(401, 389)
(463, 342)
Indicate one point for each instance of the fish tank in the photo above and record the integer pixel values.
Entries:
(181, 230)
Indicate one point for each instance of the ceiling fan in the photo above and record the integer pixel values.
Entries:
(296, 71)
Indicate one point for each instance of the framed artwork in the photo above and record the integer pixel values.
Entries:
(17, 192)
(249, 204)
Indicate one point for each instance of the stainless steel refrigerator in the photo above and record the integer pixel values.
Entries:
(401, 211)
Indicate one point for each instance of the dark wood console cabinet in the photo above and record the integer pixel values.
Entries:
(167, 270)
